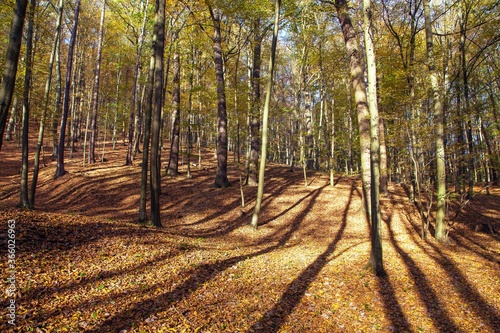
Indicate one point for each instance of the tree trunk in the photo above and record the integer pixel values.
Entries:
(95, 94)
(159, 49)
(255, 107)
(56, 113)
(46, 105)
(137, 72)
(12, 58)
(26, 107)
(117, 107)
(384, 179)
(359, 86)
(148, 103)
(62, 132)
(265, 116)
(440, 232)
(12, 121)
(375, 261)
(221, 180)
(173, 163)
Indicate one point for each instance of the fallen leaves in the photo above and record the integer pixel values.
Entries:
(207, 271)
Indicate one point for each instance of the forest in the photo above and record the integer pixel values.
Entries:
(250, 166)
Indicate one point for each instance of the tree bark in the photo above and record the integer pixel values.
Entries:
(159, 49)
(137, 72)
(173, 163)
(255, 107)
(359, 86)
(62, 132)
(221, 180)
(440, 231)
(148, 104)
(95, 94)
(375, 262)
(12, 58)
(26, 107)
(46, 105)
(265, 116)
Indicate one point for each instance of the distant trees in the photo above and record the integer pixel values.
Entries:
(437, 90)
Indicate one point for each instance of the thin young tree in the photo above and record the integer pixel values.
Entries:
(159, 49)
(26, 106)
(265, 116)
(48, 85)
(255, 106)
(69, 69)
(95, 92)
(12, 58)
(375, 262)
(148, 104)
(173, 162)
(440, 231)
(137, 72)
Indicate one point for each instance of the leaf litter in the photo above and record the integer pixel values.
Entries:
(83, 263)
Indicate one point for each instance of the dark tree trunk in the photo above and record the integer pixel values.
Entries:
(173, 163)
(12, 58)
(26, 107)
(148, 103)
(159, 48)
(95, 93)
(62, 132)
(46, 106)
(137, 72)
(255, 109)
(221, 179)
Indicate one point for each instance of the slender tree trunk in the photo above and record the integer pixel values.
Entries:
(95, 95)
(117, 106)
(255, 107)
(46, 106)
(129, 157)
(62, 132)
(265, 116)
(173, 163)
(12, 121)
(375, 262)
(384, 179)
(221, 179)
(359, 86)
(159, 49)
(468, 111)
(148, 104)
(56, 113)
(12, 58)
(26, 107)
(440, 232)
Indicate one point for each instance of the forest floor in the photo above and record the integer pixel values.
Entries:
(83, 263)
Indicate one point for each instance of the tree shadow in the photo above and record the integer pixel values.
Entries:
(198, 277)
(392, 308)
(434, 307)
(273, 319)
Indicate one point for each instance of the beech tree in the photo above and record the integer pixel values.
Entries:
(95, 92)
(159, 49)
(221, 179)
(265, 117)
(12, 58)
(69, 68)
